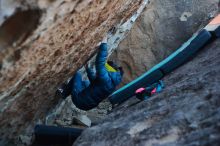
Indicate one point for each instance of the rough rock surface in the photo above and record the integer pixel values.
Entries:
(162, 27)
(66, 37)
(66, 109)
(186, 113)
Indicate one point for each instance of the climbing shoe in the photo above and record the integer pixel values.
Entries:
(63, 91)
(145, 93)
(159, 86)
(142, 94)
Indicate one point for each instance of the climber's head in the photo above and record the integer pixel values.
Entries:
(113, 67)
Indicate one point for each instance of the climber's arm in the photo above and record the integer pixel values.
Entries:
(90, 73)
(101, 58)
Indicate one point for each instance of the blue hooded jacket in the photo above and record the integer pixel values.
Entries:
(102, 83)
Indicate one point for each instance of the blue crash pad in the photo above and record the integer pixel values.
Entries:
(180, 56)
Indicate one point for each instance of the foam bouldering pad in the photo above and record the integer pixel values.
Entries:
(176, 59)
(128, 90)
(217, 32)
(52, 135)
(185, 52)
(214, 26)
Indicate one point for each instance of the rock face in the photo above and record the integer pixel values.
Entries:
(11, 7)
(186, 113)
(65, 38)
(54, 38)
(162, 27)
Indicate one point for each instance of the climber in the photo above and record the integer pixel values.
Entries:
(89, 93)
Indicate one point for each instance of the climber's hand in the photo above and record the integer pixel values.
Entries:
(105, 40)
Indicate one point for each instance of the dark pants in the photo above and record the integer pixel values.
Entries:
(77, 85)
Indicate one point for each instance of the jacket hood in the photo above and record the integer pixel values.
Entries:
(115, 77)
(110, 68)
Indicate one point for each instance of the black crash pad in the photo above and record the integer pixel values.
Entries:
(176, 59)
(186, 51)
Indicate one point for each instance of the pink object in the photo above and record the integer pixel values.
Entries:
(139, 90)
(154, 91)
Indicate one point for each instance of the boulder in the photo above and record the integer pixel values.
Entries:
(64, 39)
(161, 29)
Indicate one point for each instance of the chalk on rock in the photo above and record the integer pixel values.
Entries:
(25, 140)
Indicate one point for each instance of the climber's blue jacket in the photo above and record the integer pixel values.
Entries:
(102, 83)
